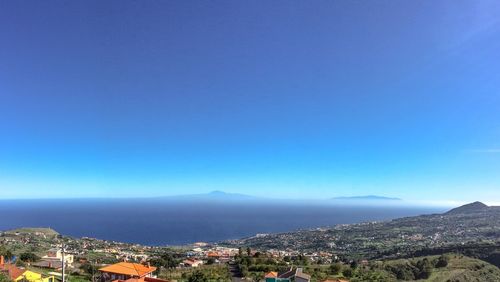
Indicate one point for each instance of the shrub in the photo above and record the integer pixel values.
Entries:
(442, 261)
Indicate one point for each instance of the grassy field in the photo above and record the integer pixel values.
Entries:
(46, 231)
(211, 272)
(460, 268)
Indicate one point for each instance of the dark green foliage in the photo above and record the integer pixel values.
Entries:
(4, 278)
(442, 261)
(28, 257)
(260, 268)
(256, 277)
(166, 260)
(425, 269)
(371, 275)
(89, 268)
(335, 268)
(198, 276)
(6, 253)
(420, 269)
(347, 272)
(300, 260)
(210, 261)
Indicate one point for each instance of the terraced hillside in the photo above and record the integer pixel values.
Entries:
(473, 230)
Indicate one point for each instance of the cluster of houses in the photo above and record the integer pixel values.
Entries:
(19, 274)
(54, 260)
(217, 253)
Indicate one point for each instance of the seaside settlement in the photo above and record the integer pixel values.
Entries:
(89, 259)
(461, 245)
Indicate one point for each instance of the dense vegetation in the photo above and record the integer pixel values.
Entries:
(201, 274)
(449, 267)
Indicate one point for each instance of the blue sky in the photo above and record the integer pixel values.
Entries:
(292, 99)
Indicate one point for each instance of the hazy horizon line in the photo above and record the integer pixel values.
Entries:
(333, 199)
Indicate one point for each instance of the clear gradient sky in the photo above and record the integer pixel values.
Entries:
(293, 99)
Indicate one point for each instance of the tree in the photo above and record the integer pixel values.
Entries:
(89, 268)
(170, 261)
(301, 260)
(7, 254)
(165, 260)
(257, 276)
(28, 257)
(347, 272)
(198, 276)
(210, 261)
(442, 261)
(335, 268)
(4, 278)
(249, 251)
(425, 269)
(244, 270)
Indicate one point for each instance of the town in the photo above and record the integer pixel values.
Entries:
(466, 237)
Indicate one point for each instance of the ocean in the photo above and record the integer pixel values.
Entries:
(177, 222)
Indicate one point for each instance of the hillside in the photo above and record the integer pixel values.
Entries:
(469, 208)
(44, 231)
(458, 268)
(474, 232)
(462, 268)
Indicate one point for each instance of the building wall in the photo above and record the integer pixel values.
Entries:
(34, 277)
(299, 279)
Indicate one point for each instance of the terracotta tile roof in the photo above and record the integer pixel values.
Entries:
(213, 254)
(271, 274)
(143, 279)
(127, 268)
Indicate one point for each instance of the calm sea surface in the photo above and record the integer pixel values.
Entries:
(162, 222)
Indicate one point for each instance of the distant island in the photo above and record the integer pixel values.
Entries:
(221, 195)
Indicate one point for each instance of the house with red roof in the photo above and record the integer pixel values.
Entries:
(18, 274)
(191, 262)
(130, 272)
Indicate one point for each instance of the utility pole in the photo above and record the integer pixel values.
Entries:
(63, 261)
